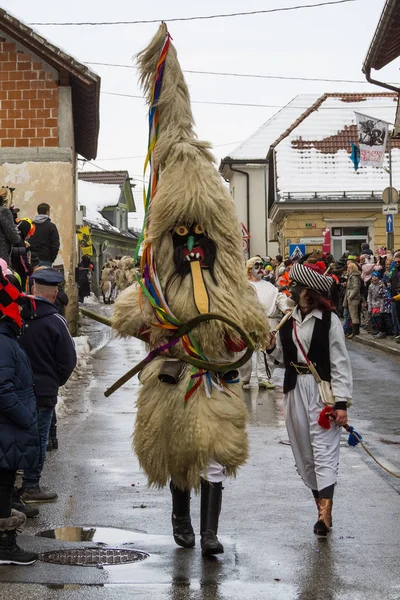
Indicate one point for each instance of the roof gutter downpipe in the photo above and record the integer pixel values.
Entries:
(247, 198)
(380, 83)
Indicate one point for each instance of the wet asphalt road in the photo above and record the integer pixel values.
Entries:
(267, 516)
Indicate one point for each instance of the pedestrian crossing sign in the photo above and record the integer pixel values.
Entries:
(297, 251)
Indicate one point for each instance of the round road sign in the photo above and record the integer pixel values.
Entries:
(386, 196)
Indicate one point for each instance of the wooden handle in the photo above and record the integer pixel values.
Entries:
(283, 321)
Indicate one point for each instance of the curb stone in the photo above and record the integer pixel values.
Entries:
(363, 340)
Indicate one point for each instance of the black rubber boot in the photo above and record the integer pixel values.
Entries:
(10, 552)
(181, 524)
(211, 499)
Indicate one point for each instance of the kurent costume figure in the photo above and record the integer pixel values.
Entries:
(190, 426)
(259, 370)
(314, 333)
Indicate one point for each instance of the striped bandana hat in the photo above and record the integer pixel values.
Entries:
(310, 278)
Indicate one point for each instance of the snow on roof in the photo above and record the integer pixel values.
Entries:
(96, 196)
(314, 156)
(258, 144)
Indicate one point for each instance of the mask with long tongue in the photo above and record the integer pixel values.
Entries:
(193, 252)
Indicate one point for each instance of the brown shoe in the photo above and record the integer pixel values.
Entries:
(324, 524)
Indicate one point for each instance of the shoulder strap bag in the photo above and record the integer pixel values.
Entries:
(324, 387)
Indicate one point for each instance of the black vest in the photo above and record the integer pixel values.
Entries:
(318, 352)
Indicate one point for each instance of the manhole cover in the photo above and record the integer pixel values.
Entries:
(89, 557)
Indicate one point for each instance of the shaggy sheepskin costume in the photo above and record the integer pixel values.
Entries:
(195, 239)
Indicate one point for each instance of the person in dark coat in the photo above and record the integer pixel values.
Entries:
(85, 268)
(19, 435)
(21, 253)
(45, 242)
(8, 231)
(51, 351)
(60, 303)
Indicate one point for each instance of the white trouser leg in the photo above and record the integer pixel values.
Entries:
(107, 295)
(245, 371)
(315, 450)
(261, 371)
(215, 473)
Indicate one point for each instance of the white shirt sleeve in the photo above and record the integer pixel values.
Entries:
(277, 352)
(342, 380)
(283, 302)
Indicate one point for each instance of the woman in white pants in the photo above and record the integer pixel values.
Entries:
(316, 331)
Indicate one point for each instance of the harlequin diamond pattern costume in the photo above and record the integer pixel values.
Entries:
(190, 426)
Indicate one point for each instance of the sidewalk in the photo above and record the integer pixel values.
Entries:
(385, 345)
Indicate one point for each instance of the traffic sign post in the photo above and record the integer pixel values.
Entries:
(390, 234)
(389, 224)
(297, 250)
(390, 209)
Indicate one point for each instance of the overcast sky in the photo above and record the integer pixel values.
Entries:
(326, 42)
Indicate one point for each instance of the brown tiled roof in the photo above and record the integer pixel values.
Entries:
(85, 84)
(112, 177)
(385, 45)
(342, 139)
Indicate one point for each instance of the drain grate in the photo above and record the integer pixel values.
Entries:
(89, 557)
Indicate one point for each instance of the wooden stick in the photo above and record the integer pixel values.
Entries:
(283, 321)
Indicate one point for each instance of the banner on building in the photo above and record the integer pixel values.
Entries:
(372, 136)
(85, 240)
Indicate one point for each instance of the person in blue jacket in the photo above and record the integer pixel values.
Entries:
(51, 352)
(19, 435)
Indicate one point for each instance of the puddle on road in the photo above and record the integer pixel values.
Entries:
(98, 535)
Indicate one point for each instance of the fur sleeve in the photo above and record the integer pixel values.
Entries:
(127, 317)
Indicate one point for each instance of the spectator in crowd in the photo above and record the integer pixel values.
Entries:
(85, 269)
(19, 435)
(8, 231)
(353, 297)
(62, 300)
(283, 281)
(45, 242)
(395, 286)
(386, 278)
(365, 249)
(278, 265)
(51, 352)
(21, 254)
(376, 292)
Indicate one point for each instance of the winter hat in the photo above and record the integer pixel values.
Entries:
(310, 277)
(319, 267)
(10, 297)
(377, 274)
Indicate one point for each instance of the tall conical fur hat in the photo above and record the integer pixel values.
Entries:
(191, 195)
